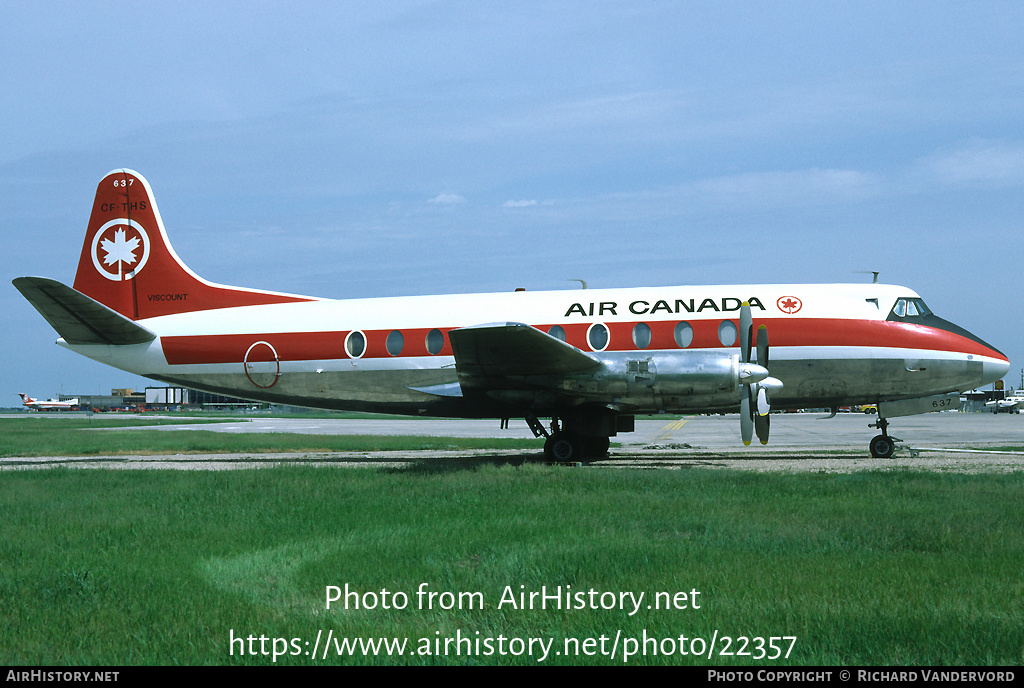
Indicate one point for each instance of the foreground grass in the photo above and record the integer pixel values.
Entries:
(163, 567)
(85, 437)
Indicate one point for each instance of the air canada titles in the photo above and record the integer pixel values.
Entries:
(642, 307)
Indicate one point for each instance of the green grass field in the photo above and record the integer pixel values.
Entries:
(42, 436)
(106, 567)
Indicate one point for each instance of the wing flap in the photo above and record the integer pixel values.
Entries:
(77, 318)
(486, 353)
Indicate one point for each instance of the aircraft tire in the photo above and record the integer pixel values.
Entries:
(882, 447)
(560, 447)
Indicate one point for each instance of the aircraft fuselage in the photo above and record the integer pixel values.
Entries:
(837, 349)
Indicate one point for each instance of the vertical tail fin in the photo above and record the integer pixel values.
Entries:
(128, 265)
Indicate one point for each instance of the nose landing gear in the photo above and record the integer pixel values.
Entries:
(882, 446)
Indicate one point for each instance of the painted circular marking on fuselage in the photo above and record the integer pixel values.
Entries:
(262, 373)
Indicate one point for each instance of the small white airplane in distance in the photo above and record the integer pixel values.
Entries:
(49, 404)
(1010, 404)
(588, 360)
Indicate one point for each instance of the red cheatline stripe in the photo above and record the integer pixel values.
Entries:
(782, 332)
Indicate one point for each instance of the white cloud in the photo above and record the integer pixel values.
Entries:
(979, 163)
(518, 204)
(766, 189)
(447, 198)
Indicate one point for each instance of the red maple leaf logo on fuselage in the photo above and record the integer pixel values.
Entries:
(789, 304)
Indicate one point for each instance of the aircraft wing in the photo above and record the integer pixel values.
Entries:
(487, 354)
(78, 318)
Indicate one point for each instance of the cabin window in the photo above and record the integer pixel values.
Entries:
(395, 342)
(642, 335)
(355, 344)
(435, 342)
(683, 335)
(727, 333)
(557, 332)
(597, 337)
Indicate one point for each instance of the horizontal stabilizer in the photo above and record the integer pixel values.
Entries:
(77, 318)
(503, 350)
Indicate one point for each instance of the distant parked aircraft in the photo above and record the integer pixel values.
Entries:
(1010, 404)
(49, 404)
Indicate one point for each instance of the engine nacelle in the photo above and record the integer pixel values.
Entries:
(643, 382)
(686, 373)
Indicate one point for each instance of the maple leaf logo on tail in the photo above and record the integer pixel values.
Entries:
(119, 249)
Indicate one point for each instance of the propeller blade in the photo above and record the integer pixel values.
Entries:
(764, 404)
(746, 418)
(762, 346)
(762, 425)
(762, 420)
(746, 332)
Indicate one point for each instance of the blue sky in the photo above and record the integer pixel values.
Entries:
(351, 149)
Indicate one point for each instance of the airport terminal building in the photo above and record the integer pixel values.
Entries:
(156, 398)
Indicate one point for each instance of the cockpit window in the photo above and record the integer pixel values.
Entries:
(909, 308)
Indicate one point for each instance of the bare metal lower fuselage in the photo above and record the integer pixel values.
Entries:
(669, 382)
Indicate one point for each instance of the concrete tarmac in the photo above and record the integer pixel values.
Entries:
(789, 431)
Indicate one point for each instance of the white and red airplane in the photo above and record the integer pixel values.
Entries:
(49, 404)
(589, 360)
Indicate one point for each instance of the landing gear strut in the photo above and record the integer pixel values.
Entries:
(882, 446)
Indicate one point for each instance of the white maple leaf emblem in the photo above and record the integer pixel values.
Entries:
(120, 250)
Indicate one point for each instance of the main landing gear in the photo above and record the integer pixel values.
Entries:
(882, 446)
(563, 446)
(568, 441)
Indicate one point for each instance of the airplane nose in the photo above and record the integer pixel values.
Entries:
(993, 370)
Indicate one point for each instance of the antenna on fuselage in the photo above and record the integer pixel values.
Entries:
(583, 282)
(874, 274)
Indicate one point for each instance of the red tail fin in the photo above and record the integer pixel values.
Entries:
(128, 264)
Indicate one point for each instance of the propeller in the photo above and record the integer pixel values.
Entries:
(747, 374)
(755, 403)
